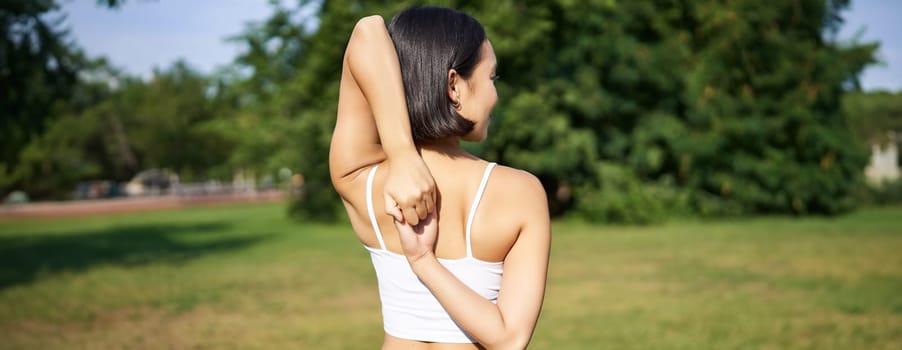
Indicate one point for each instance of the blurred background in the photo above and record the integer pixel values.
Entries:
(673, 107)
(761, 137)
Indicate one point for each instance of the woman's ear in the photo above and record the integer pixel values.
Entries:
(454, 82)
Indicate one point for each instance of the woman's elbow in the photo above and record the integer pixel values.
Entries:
(369, 23)
(512, 341)
(367, 30)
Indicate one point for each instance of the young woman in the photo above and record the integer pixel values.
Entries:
(462, 257)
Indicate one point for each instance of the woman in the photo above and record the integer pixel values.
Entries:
(462, 258)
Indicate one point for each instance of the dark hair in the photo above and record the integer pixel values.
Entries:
(430, 41)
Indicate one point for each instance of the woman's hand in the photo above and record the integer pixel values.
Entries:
(409, 188)
(418, 241)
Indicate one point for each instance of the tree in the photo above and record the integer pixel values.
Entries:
(728, 108)
(39, 68)
(625, 110)
(872, 115)
(117, 126)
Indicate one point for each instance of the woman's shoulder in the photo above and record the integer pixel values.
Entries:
(514, 198)
(514, 184)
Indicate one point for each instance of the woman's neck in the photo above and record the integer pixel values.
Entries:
(448, 147)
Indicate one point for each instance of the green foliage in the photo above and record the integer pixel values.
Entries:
(872, 115)
(56, 160)
(724, 108)
(286, 107)
(113, 133)
(39, 72)
(29, 84)
(626, 111)
(175, 134)
(883, 193)
(709, 95)
(889, 192)
(875, 119)
(620, 197)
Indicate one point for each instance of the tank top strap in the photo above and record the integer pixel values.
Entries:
(476, 199)
(369, 206)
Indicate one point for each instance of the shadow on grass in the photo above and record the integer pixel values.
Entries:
(24, 258)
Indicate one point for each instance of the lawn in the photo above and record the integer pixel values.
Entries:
(247, 277)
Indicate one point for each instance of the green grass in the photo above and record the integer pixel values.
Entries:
(247, 277)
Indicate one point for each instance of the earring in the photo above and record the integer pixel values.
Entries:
(455, 104)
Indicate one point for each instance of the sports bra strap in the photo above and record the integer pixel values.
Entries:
(470, 217)
(369, 206)
(479, 192)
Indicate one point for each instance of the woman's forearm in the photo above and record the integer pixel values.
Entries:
(409, 188)
(480, 318)
(374, 64)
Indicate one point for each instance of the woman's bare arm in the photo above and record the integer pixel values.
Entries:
(509, 324)
(373, 124)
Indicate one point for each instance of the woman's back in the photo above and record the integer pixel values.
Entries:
(495, 223)
(471, 192)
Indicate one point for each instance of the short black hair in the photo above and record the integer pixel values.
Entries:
(430, 41)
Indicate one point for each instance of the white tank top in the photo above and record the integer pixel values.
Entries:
(409, 310)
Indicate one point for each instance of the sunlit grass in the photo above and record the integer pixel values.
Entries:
(248, 277)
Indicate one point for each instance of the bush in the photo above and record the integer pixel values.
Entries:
(887, 192)
(619, 197)
(316, 201)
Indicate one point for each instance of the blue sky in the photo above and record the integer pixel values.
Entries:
(144, 34)
(878, 20)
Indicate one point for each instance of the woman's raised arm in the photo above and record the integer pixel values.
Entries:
(373, 125)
